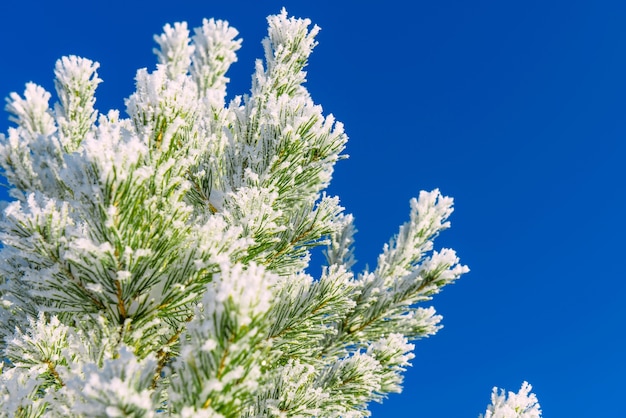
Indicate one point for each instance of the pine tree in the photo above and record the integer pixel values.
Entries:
(156, 264)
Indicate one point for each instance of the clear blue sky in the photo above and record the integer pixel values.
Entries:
(517, 109)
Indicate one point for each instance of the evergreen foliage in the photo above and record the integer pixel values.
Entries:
(156, 264)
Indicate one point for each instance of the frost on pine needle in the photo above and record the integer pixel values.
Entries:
(214, 52)
(120, 387)
(31, 113)
(340, 250)
(523, 404)
(225, 346)
(175, 51)
(156, 263)
(75, 82)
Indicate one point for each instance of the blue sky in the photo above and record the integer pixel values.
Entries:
(516, 109)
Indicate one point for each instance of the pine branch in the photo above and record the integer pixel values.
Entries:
(156, 264)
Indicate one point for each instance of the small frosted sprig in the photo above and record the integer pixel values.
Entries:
(523, 404)
(76, 82)
(32, 112)
(121, 387)
(429, 216)
(215, 47)
(394, 354)
(340, 250)
(350, 384)
(287, 48)
(223, 348)
(161, 106)
(175, 51)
